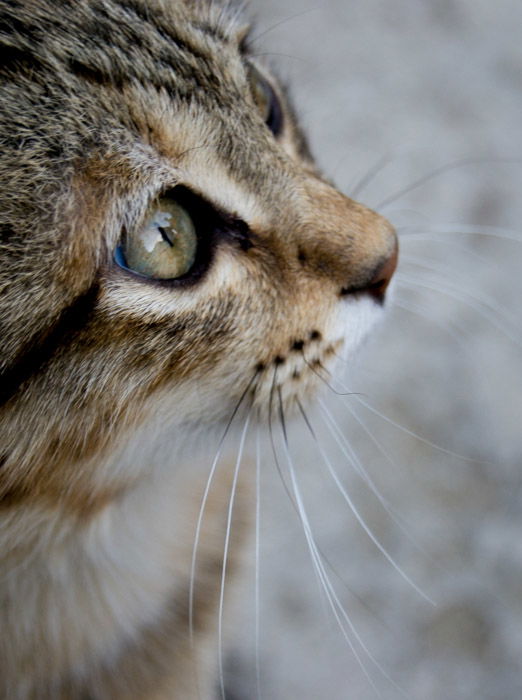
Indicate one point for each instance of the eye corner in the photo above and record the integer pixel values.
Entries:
(118, 256)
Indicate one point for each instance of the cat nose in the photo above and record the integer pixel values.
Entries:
(379, 278)
(383, 274)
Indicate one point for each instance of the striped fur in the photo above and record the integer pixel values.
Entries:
(108, 381)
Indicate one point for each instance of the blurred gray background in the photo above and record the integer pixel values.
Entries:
(390, 92)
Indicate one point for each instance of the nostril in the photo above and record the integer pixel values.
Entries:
(378, 283)
(382, 277)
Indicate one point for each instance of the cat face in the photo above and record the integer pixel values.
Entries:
(135, 120)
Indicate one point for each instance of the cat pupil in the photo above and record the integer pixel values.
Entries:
(168, 239)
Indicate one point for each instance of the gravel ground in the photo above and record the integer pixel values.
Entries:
(392, 92)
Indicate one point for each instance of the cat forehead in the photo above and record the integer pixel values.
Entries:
(88, 64)
(90, 74)
(223, 18)
(119, 30)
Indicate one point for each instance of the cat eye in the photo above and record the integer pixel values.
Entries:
(164, 247)
(266, 100)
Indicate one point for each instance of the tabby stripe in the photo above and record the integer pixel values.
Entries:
(15, 59)
(162, 29)
(43, 346)
(96, 74)
(10, 26)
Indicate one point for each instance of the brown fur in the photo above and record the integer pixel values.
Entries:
(121, 101)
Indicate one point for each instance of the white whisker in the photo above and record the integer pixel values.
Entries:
(197, 538)
(334, 603)
(451, 286)
(454, 165)
(444, 284)
(465, 250)
(360, 519)
(397, 517)
(329, 592)
(257, 565)
(419, 232)
(488, 312)
(425, 315)
(370, 175)
(412, 434)
(271, 28)
(354, 460)
(204, 500)
(225, 552)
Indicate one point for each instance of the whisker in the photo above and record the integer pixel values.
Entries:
(465, 250)
(252, 40)
(257, 567)
(334, 570)
(335, 604)
(425, 315)
(280, 55)
(414, 435)
(272, 440)
(225, 552)
(203, 505)
(354, 460)
(356, 512)
(479, 307)
(505, 234)
(294, 505)
(322, 576)
(276, 460)
(371, 174)
(282, 415)
(439, 274)
(360, 600)
(454, 165)
(424, 264)
(318, 374)
(396, 517)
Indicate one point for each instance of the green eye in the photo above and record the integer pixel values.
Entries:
(165, 246)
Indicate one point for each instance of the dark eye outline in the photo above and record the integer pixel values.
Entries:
(212, 226)
(274, 117)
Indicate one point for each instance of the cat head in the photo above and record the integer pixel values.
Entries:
(165, 233)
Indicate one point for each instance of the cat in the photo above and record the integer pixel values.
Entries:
(172, 263)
